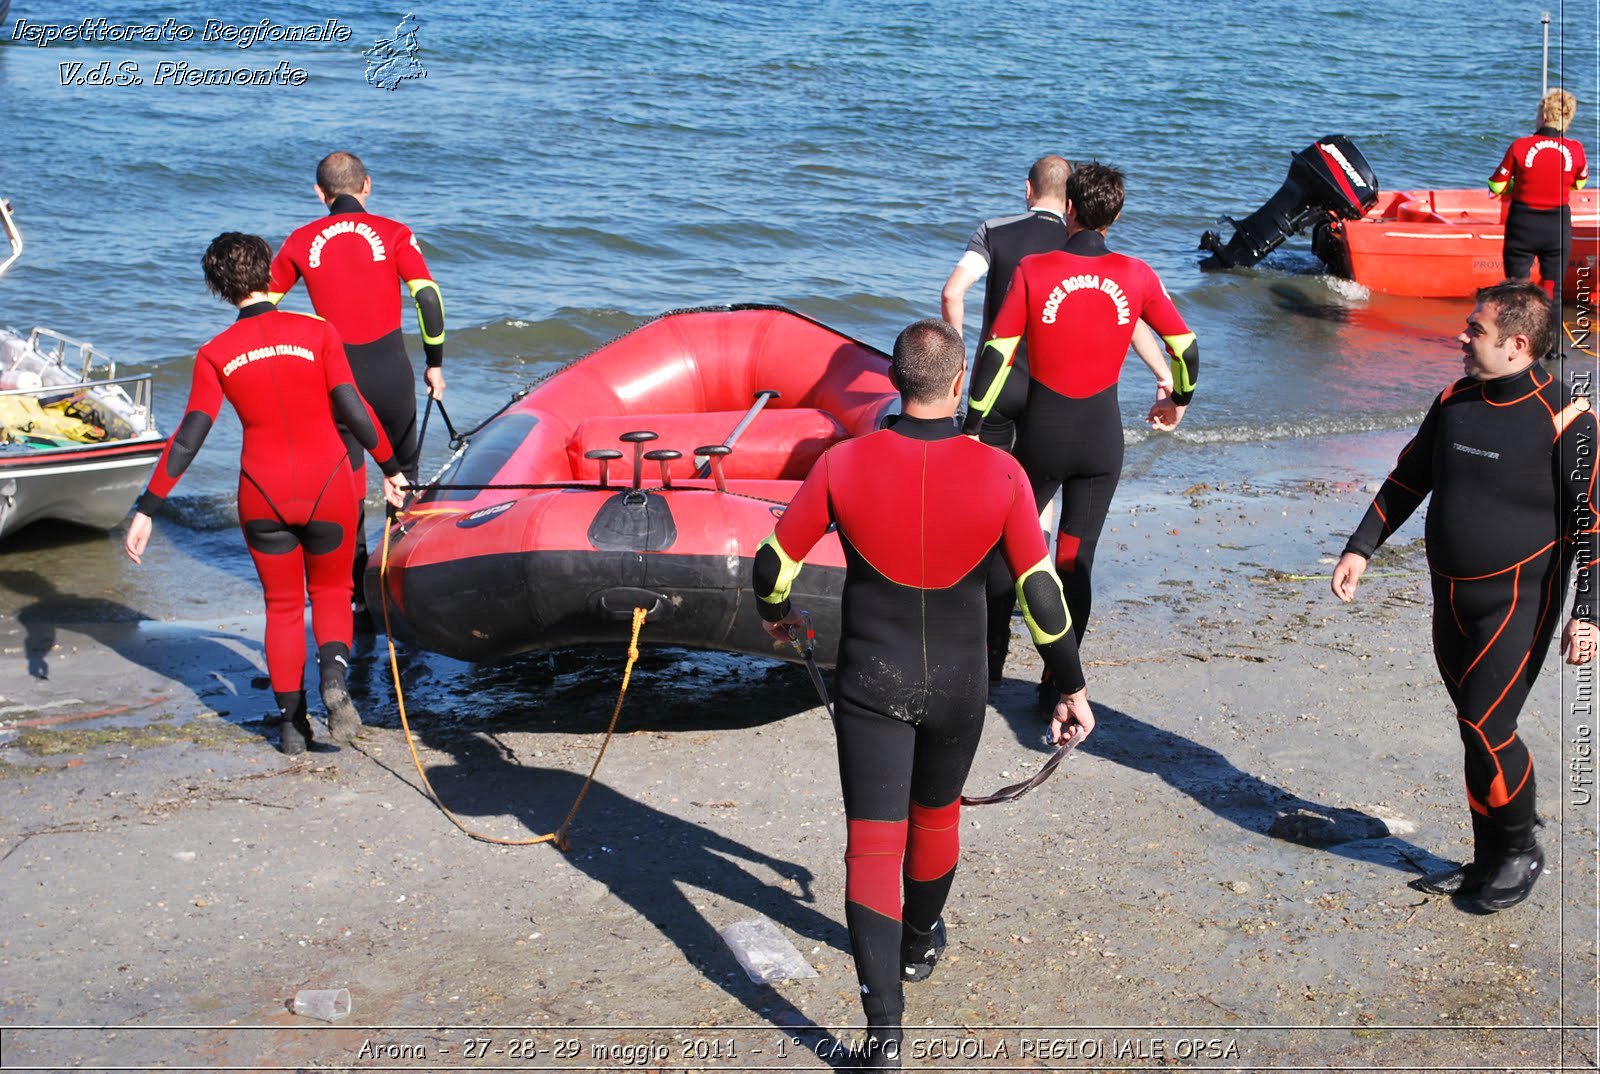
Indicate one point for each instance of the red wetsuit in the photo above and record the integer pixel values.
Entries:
(1075, 312)
(919, 510)
(287, 377)
(1541, 170)
(354, 263)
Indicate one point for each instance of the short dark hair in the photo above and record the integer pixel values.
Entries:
(927, 357)
(237, 265)
(1049, 177)
(341, 173)
(1095, 192)
(1521, 309)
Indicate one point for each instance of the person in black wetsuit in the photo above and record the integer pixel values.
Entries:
(354, 264)
(919, 509)
(1074, 312)
(1507, 453)
(995, 250)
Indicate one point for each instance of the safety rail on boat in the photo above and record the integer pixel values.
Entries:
(13, 236)
(87, 352)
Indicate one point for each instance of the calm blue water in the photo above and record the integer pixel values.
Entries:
(573, 169)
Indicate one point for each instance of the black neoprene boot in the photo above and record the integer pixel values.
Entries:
(879, 1050)
(920, 951)
(294, 727)
(1510, 879)
(344, 722)
(1488, 845)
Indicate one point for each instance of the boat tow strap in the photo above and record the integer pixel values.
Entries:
(559, 836)
(804, 639)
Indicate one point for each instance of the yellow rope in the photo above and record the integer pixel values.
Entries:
(559, 836)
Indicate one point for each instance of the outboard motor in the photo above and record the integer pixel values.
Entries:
(1327, 179)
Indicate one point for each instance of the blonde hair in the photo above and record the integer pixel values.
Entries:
(1557, 109)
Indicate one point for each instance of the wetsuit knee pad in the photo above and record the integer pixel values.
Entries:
(321, 537)
(270, 537)
(872, 863)
(934, 845)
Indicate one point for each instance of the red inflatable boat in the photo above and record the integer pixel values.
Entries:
(1447, 244)
(643, 475)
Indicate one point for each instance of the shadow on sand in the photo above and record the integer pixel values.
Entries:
(1217, 784)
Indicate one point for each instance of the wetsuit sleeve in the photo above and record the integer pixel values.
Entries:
(1160, 314)
(1501, 179)
(1039, 593)
(781, 555)
(1580, 179)
(1574, 453)
(351, 407)
(199, 414)
(1407, 485)
(283, 274)
(998, 355)
(425, 293)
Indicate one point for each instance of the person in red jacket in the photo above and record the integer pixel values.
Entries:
(287, 377)
(354, 263)
(1538, 174)
(920, 510)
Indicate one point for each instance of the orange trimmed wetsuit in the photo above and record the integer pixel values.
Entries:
(919, 510)
(1509, 464)
(287, 377)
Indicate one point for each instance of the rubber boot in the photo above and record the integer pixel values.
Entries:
(1510, 879)
(1487, 847)
(920, 951)
(344, 722)
(294, 727)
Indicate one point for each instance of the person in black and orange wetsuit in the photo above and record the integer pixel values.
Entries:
(996, 248)
(1507, 453)
(1538, 174)
(919, 510)
(354, 263)
(1075, 312)
(286, 375)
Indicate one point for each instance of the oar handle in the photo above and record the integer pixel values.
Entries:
(762, 397)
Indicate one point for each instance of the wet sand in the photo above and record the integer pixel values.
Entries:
(1215, 880)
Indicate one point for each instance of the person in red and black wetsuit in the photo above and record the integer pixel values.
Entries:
(919, 510)
(995, 250)
(1538, 174)
(354, 263)
(1075, 312)
(286, 375)
(1508, 455)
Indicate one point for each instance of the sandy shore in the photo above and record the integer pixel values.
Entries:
(1215, 880)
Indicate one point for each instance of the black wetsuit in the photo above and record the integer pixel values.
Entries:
(919, 509)
(1509, 463)
(1003, 242)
